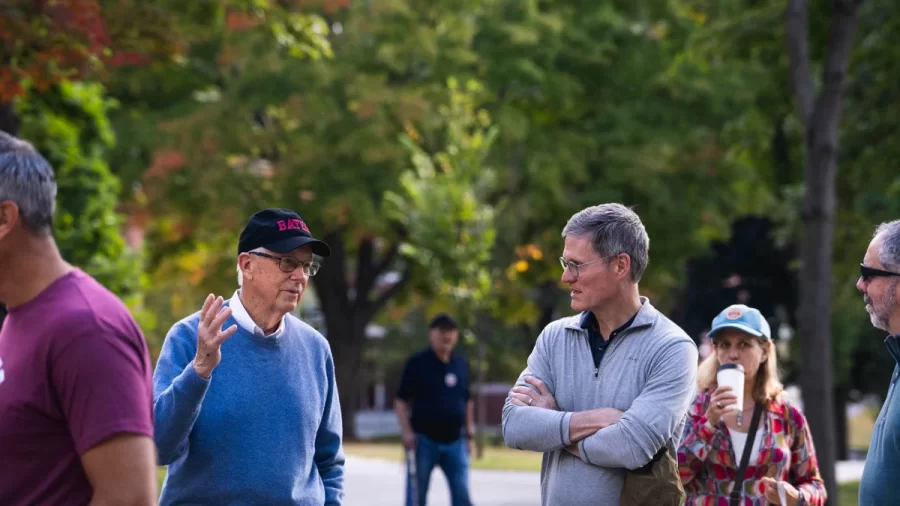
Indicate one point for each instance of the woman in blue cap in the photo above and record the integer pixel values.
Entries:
(761, 434)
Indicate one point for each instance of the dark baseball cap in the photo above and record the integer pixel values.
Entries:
(281, 231)
(443, 321)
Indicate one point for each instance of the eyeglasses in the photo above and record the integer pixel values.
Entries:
(866, 273)
(573, 267)
(290, 264)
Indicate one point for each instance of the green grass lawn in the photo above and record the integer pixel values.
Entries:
(848, 493)
(495, 457)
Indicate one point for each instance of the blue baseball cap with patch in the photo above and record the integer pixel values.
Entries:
(741, 317)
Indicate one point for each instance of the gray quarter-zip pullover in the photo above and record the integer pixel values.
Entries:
(648, 371)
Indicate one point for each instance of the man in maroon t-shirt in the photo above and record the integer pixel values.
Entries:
(76, 424)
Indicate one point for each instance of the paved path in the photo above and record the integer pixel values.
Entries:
(373, 482)
(381, 483)
(850, 470)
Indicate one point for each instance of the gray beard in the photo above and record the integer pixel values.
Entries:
(881, 317)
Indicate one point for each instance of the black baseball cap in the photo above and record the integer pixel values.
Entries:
(443, 321)
(281, 231)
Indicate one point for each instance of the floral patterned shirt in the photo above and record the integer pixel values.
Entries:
(707, 464)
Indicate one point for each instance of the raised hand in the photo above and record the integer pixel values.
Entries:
(210, 335)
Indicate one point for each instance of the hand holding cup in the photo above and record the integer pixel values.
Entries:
(730, 377)
(720, 403)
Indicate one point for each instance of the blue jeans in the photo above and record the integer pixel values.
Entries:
(453, 459)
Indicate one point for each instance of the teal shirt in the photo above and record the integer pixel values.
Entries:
(883, 459)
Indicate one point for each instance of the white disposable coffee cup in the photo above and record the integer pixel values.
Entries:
(732, 375)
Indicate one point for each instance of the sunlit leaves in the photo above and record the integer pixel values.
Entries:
(442, 203)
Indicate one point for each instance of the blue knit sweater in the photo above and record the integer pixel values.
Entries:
(264, 429)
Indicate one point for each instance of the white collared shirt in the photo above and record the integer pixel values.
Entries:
(242, 317)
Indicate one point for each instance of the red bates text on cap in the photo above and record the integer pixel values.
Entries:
(292, 224)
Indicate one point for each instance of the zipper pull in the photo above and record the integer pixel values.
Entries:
(596, 371)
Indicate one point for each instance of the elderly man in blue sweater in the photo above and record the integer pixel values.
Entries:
(250, 414)
(879, 281)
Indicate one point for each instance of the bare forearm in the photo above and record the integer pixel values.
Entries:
(148, 499)
(122, 471)
(401, 408)
(470, 417)
(584, 423)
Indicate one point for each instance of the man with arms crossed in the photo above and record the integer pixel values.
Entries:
(250, 414)
(879, 282)
(606, 390)
(76, 421)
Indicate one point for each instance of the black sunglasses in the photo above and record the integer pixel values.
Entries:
(867, 272)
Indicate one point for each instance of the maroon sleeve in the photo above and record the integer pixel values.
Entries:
(102, 380)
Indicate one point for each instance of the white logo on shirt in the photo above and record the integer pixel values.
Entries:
(2, 374)
(450, 380)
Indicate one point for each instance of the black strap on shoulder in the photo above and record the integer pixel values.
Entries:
(736, 492)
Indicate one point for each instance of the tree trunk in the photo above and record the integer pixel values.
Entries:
(821, 116)
(815, 312)
(9, 123)
(481, 398)
(347, 341)
(349, 309)
(548, 296)
(840, 423)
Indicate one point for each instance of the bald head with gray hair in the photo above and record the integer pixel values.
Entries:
(889, 235)
(27, 180)
(613, 229)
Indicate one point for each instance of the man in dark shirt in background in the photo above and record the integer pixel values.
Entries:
(433, 405)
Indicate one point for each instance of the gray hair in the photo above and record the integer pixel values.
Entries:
(240, 274)
(614, 229)
(27, 179)
(889, 256)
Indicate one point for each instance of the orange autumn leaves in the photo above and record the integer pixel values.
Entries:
(47, 41)
(525, 255)
(43, 42)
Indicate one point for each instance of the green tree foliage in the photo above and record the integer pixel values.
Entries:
(579, 94)
(449, 226)
(68, 124)
(681, 109)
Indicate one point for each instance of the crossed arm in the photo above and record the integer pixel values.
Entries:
(581, 424)
(531, 418)
(602, 437)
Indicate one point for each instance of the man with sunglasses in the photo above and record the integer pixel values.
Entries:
(250, 414)
(607, 389)
(879, 282)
